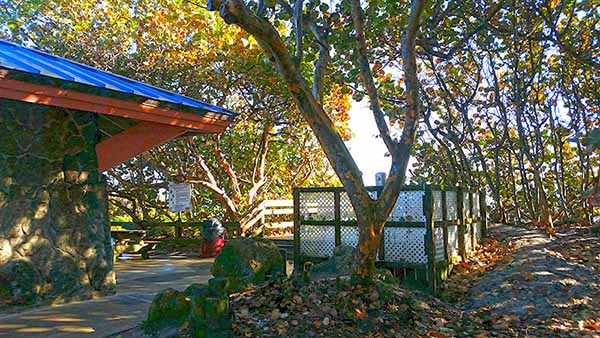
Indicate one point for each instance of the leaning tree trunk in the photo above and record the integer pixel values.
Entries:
(370, 213)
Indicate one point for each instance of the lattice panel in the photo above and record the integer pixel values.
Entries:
(439, 244)
(468, 238)
(405, 244)
(476, 206)
(451, 206)
(317, 206)
(409, 207)
(346, 209)
(349, 236)
(453, 240)
(478, 232)
(437, 206)
(466, 211)
(317, 240)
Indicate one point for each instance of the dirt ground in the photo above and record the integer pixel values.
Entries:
(529, 285)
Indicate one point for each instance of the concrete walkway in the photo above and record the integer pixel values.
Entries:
(138, 281)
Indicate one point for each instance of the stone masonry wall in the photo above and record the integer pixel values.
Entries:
(54, 226)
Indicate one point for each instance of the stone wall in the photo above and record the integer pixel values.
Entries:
(54, 226)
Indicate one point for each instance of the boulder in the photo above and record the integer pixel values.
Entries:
(169, 308)
(247, 261)
(201, 311)
(210, 315)
(340, 264)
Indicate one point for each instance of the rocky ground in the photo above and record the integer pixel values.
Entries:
(521, 283)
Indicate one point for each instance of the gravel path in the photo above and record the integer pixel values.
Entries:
(538, 287)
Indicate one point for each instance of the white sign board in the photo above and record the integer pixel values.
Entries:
(180, 195)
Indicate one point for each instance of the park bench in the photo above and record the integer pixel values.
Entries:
(132, 241)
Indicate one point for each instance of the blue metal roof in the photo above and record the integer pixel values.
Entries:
(16, 57)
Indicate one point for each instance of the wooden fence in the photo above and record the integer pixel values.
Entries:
(270, 215)
(429, 229)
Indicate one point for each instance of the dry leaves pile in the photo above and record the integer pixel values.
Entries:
(576, 243)
(331, 308)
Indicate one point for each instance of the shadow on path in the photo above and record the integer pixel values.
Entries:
(137, 283)
(538, 285)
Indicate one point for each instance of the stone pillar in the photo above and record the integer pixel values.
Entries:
(54, 226)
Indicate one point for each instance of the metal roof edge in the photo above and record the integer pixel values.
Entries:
(218, 110)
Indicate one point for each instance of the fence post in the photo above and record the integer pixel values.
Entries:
(296, 197)
(445, 225)
(472, 217)
(483, 214)
(337, 217)
(430, 237)
(462, 250)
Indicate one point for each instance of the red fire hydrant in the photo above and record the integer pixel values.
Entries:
(213, 238)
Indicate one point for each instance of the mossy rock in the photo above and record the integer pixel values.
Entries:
(169, 308)
(340, 264)
(199, 311)
(247, 261)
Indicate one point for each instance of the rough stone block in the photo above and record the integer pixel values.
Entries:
(53, 207)
(246, 261)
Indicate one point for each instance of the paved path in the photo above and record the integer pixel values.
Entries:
(538, 287)
(138, 281)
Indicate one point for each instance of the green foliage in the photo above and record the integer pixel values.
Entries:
(178, 46)
(592, 140)
(509, 92)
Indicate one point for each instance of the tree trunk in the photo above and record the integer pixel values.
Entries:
(369, 240)
(367, 210)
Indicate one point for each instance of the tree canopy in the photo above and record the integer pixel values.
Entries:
(178, 46)
(502, 96)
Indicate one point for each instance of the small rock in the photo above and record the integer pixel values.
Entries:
(374, 295)
(294, 322)
(275, 314)
(326, 321)
(403, 307)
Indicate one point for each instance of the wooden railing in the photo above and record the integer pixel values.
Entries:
(269, 215)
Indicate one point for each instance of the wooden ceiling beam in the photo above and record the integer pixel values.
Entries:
(51, 96)
(133, 141)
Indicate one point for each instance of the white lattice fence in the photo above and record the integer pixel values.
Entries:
(438, 214)
(468, 238)
(408, 207)
(317, 240)
(317, 206)
(405, 245)
(439, 244)
(451, 206)
(349, 235)
(453, 240)
(323, 212)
